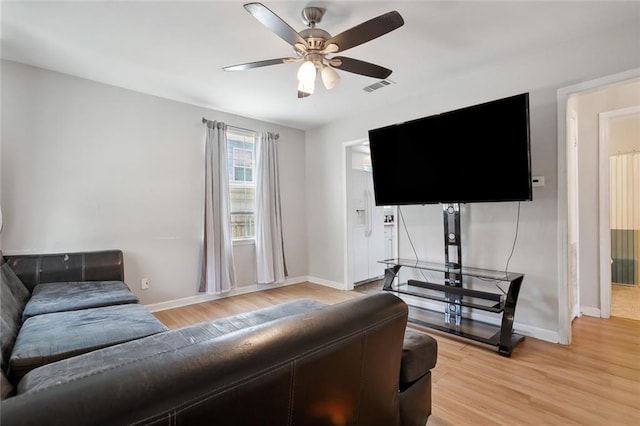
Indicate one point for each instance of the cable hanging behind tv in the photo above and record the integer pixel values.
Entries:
(475, 154)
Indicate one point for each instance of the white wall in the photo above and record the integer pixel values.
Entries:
(90, 166)
(589, 106)
(488, 229)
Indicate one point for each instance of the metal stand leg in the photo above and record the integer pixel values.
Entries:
(389, 276)
(507, 338)
(453, 260)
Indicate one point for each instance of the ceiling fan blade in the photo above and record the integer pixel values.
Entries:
(359, 67)
(258, 64)
(275, 23)
(366, 31)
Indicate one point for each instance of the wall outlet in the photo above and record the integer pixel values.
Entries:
(144, 283)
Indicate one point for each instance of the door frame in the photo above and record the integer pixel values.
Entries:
(564, 292)
(604, 190)
(573, 205)
(346, 194)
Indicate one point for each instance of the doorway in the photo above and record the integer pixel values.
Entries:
(371, 230)
(588, 212)
(620, 193)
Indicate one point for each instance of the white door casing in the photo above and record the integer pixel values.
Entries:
(573, 203)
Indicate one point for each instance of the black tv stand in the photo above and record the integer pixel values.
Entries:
(459, 288)
(496, 302)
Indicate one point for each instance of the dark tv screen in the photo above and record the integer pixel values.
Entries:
(479, 153)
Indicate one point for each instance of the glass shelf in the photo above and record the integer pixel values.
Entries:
(440, 267)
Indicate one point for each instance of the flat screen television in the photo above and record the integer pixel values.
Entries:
(475, 154)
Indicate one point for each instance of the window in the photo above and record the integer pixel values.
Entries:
(242, 165)
(242, 186)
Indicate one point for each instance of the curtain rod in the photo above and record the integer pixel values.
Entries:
(205, 121)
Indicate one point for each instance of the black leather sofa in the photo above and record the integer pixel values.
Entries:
(56, 306)
(299, 363)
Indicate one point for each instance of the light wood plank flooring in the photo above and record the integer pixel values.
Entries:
(595, 381)
(625, 301)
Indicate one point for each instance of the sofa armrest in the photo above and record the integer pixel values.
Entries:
(419, 356)
(33, 269)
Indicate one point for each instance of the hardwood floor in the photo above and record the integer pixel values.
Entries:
(594, 381)
(179, 317)
(625, 301)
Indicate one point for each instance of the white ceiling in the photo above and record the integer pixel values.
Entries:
(177, 49)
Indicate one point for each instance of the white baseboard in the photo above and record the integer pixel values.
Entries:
(537, 332)
(326, 283)
(205, 297)
(590, 311)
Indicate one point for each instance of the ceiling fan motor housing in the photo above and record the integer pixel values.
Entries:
(315, 38)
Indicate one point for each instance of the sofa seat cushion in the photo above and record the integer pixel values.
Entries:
(151, 346)
(70, 296)
(50, 337)
(419, 355)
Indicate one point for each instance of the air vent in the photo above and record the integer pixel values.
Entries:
(378, 85)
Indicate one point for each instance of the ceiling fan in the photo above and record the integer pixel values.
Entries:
(313, 46)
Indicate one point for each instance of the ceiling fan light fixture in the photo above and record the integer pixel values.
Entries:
(330, 78)
(306, 88)
(307, 72)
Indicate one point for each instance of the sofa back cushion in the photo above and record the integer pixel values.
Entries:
(336, 365)
(10, 321)
(116, 357)
(14, 297)
(105, 265)
(15, 286)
